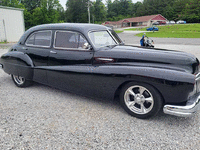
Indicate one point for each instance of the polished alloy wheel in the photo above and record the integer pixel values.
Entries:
(19, 80)
(138, 99)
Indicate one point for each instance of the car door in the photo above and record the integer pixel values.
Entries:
(37, 47)
(69, 61)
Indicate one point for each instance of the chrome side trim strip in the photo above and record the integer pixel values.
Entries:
(104, 59)
(184, 111)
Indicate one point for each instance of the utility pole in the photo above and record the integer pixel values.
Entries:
(89, 5)
(88, 12)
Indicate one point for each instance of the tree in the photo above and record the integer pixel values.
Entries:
(120, 9)
(99, 11)
(77, 11)
(191, 11)
(30, 5)
(12, 3)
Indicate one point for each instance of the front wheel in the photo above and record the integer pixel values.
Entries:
(21, 81)
(140, 100)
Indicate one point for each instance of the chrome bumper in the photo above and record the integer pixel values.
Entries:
(190, 108)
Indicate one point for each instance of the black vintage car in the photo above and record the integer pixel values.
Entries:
(92, 60)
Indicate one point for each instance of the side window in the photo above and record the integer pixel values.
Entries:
(66, 39)
(70, 40)
(30, 40)
(41, 38)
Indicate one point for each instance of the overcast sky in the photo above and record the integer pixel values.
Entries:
(63, 2)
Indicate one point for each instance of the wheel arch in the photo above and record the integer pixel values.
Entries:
(118, 90)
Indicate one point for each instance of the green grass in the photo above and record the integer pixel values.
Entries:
(136, 29)
(175, 31)
(119, 31)
(3, 42)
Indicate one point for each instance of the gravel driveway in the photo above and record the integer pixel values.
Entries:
(41, 117)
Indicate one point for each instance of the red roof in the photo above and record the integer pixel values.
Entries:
(113, 22)
(137, 19)
(159, 17)
(146, 18)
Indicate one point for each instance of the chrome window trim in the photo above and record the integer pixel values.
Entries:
(100, 31)
(113, 37)
(63, 48)
(39, 45)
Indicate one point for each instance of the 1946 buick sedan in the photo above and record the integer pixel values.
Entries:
(92, 60)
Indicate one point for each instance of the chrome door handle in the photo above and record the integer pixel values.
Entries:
(53, 52)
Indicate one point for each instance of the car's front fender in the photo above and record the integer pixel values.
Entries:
(174, 85)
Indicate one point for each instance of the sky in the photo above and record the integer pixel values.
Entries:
(63, 2)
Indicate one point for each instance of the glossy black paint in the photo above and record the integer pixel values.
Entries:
(102, 72)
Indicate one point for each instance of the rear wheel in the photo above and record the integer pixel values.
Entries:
(140, 100)
(21, 81)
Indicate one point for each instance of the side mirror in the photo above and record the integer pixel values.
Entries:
(87, 46)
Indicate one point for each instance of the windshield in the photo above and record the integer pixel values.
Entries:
(102, 39)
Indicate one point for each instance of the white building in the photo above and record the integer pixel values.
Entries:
(12, 24)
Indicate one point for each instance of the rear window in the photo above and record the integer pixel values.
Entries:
(40, 38)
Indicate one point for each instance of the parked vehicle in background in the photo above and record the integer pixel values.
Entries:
(162, 22)
(156, 23)
(172, 22)
(180, 22)
(152, 28)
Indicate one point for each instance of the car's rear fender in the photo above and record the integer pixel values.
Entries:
(17, 63)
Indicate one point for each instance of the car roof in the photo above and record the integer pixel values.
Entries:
(80, 27)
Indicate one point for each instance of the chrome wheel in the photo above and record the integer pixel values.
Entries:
(19, 80)
(138, 99)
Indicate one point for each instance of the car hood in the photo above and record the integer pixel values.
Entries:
(139, 56)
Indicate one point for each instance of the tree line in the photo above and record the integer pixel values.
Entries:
(38, 11)
(51, 11)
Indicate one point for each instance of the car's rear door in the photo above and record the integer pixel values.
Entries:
(37, 47)
(69, 61)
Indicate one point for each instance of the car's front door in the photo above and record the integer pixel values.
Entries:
(68, 61)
